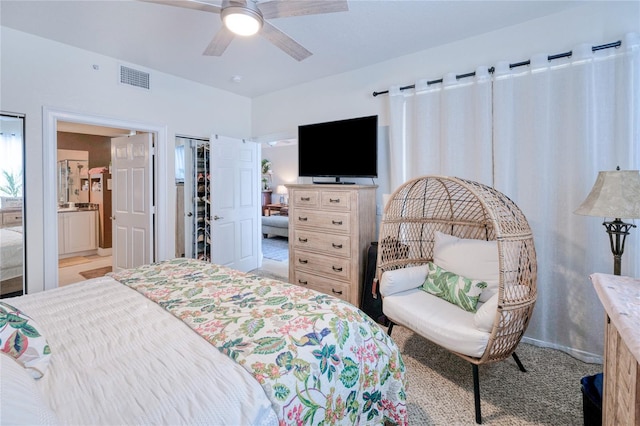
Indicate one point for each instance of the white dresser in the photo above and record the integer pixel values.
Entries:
(330, 230)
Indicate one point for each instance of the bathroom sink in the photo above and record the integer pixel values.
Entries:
(68, 209)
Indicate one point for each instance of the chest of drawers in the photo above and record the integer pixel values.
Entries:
(330, 230)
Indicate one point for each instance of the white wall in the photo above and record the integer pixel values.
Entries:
(350, 95)
(37, 73)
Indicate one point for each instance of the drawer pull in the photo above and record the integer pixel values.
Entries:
(303, 261)
(336, 222)
(303, 282)
(331, 200)
(336, 292)
(336, 246)
(336, 268)
(302, 219)
(302, 240)
(305, 198)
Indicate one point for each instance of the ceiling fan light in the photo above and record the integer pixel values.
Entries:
(241, 21)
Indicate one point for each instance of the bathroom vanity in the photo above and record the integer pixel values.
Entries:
(77, 230)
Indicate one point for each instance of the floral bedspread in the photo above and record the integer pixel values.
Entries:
(319, 359)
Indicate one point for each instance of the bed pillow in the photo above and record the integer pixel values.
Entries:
(22, 339)
(453, 288)
(21, 402)
(475, 259)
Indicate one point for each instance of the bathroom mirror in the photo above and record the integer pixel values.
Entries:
(12, 229)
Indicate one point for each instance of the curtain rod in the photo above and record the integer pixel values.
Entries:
(616, 44)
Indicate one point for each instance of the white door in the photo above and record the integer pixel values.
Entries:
(132, 205)
(235, 203)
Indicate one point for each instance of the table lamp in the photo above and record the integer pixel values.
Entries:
(282, 190)
(616, 194)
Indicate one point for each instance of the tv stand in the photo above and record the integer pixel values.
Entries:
(337, 182)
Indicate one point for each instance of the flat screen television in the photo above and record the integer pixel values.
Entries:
(344, 148)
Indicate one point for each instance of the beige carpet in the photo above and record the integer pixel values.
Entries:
(95, 273)
(440, 386)
(71, 261)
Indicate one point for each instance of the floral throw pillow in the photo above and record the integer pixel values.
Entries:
(21, 338)
(460, 291)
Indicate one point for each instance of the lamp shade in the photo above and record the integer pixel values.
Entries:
(281, 189)
(615, 194)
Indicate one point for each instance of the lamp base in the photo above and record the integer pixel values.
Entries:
(618, 231)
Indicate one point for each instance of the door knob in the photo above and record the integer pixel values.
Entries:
(189, 214)
(216, 217)
(112, 217)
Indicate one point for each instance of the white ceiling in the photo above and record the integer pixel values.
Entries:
(172, 39)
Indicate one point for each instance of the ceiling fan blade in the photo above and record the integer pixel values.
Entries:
(188, 4)
(219, 43)
(284, 42)
(282, 9)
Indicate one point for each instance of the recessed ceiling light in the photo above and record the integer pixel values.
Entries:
(236, 78)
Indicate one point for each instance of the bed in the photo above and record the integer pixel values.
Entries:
(10, 255)
(188, 342)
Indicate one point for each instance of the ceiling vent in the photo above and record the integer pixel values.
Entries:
(134, 77)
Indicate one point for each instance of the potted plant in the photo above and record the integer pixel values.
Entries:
(266, 174)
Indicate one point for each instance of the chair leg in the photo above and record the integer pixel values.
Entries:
(520, 366)
(390, 328)
(476, 393)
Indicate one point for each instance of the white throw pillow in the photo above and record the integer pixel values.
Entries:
(474, 259)
(21, 402)
(486, 314)
(402, 279)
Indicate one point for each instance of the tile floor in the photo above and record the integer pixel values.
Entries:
(71, 274)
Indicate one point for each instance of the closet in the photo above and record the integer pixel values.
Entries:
(193, 198)
(201, 191)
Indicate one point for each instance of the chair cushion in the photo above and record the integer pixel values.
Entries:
(461, 291)
(402, 279)
(437, 320)
(475, 259)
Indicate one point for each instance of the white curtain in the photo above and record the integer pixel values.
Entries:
(555, 125)
(442, 129)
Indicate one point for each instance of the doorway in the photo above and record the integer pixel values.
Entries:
(51, 120)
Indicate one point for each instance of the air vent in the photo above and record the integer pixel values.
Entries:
(134, 77)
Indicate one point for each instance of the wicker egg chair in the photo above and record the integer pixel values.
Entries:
(470, 210)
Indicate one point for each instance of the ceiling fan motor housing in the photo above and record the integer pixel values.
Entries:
(242, 18)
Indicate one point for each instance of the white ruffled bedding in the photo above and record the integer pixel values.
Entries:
(10, 252)
(118, 358)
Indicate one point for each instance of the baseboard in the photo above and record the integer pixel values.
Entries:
(104, 251)
(583, 356)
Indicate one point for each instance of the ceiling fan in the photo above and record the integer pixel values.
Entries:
(247, 17)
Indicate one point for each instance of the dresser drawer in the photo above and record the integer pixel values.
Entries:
(11, 218)
(322, 220)
(340, 200)
(304, 198)
(328, 266)
(323, 285)
(339, 245)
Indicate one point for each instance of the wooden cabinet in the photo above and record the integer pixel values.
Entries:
(330, 230)
(77, 232)
(10, 218)
(100, 194)
(621, 379)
